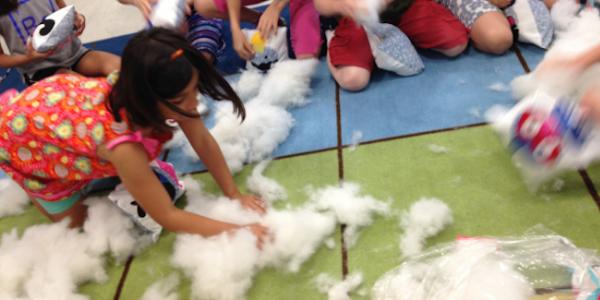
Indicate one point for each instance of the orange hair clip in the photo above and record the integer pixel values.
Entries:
(177, 54)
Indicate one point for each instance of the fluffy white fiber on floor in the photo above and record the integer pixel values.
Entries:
(267, 188)
(435, 148)
(267, 123)
(13, 199)
(335, 289)
(425, 218)
(350, 207)
(49, 261)
(499, 87)
(222, 267)
(355, 140)
(164, 289)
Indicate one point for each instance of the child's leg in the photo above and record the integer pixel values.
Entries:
(71, 207)
(217, 9)
(305, 29)
(97, 63)
(429, 25)
(349, 56)
(206, 35)
(490, 31)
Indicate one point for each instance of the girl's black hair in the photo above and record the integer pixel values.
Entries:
(153, 70)
(391, 14)
(6, 6)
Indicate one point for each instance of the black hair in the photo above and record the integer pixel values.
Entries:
(6, 6)
(156, 65)
(393, 11)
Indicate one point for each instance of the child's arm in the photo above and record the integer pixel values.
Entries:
(240, 43)
(209, 152)
(267, 24)
(573, 65)
(10, 61)
(330, 8)
(131, 162)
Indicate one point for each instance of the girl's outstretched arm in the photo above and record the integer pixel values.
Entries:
(209, 152)
(131, 162)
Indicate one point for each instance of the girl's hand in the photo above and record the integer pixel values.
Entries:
(261, 232)
(33, 55)
(79, 24)
(267, 24)
(252, 202)
(145, 6)
(241, 45)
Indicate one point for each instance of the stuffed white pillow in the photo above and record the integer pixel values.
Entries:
(56, 29)
(393, 51)
(533, 22)
(168, 14)
(125, 201)
(267, 52)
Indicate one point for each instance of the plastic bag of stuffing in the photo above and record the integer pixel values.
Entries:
(55, 30)
(533, 22)
(547, 135)
(125, 201)
(268, 52)
(520, 268)
(393, 51)
(168, 14)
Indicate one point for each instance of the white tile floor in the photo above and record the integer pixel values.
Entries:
(107, 18)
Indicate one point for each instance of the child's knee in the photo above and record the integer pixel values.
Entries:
(495, 40)
(454, 51)
(354, 79)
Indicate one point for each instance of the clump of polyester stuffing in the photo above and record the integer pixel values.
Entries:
(499, 87)
(268, 189)
(475, 112)
(214, 264)
(248, 84)
(367, 12)
(355, 140)
(437, 148)
(349, 207)
(335, 289)
(49, 261)
(267, 123)
(563, 13)
(13, 200)
(164, 289)
(425, 218)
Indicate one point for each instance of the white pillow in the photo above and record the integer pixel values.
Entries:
(125, 201)
(393, 51)
(54, 30)
(168, 14)
(533, 22)
(267, 52)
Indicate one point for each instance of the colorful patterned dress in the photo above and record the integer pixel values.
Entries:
(50, 132)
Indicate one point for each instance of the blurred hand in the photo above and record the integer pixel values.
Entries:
(590, 104)
(79, 24)
(33, 55)
(267, 24)
(145, 6)
(252, 202)
(241, 45)
(261, 232)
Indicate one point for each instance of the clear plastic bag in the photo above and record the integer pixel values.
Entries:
(531, 267)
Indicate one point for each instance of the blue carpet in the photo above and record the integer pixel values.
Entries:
(11, 80)
(532, 54)
(449, 93)
(315, 127)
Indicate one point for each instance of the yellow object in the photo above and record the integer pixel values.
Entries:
(257, 42)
